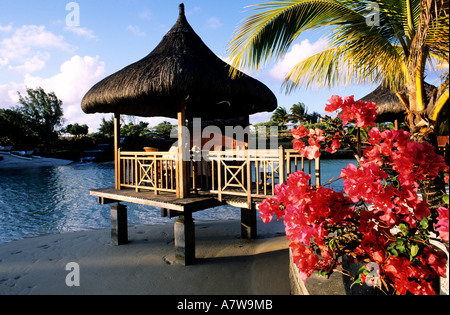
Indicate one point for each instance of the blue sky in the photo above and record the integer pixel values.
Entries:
(38, 48)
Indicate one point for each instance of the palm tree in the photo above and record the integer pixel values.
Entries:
(298, 113)
(390, 48)
(281, 117)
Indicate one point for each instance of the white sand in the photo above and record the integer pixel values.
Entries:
(12, 162)
(225, 263)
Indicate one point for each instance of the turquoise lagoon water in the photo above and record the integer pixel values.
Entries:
(54, 200)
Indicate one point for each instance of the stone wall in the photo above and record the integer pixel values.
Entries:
(337, 284)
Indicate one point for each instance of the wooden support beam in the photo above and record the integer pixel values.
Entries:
(281, 169)
(249, 181)
(183, 156)
(119, 224)
(184, 232)
(317, 168)
(248, 223)
(246, 135)
(105, 201)
(358, 141)
(170, 213)
(117, 150)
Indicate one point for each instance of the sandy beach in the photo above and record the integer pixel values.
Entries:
(225, 265)
(12, 162)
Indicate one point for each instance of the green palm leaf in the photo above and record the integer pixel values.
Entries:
(370, 53)
(272, 31)
(391, 47)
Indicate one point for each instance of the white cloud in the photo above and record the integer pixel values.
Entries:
(260, 117)
(146, 15)
(194, 10)
(213, 22)
(8, 94)
(76, 77)
(30, 37)
(298, 53)
(6, 29)
(27, 48)
(3, 61)
(81, 31)
(136, 30)
(32, 64)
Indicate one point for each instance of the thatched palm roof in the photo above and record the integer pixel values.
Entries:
(181, 67)
(389, 106)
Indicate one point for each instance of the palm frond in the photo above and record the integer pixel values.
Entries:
(271, 31)
(437, 38)
(340, 66)
(359, 52)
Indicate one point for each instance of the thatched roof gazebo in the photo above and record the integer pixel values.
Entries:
(180, 69)
(390, 108)
(183, 79)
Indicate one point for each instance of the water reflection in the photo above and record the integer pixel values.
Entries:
(56, 199)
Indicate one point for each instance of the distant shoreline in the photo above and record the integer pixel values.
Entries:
(11, 162)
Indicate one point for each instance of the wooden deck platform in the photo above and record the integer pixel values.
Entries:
(163, 200)
(196, 202)
(172, 206)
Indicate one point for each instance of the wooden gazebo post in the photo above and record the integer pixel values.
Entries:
(183, 154)
(117, 150)
(184, 228)
(119, 218)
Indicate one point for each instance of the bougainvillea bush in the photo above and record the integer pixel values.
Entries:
(380, 216)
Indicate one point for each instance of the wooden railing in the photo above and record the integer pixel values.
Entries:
(254, 173)
(294, 162)
(250, 174)
(246, 173)
(154, 171)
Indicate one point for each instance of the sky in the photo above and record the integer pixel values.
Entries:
(67, 46)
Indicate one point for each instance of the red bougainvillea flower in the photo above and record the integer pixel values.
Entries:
(299, 132)
(363, 113)
(335, 103)
(363, 182)
(305, 259)
(315, 138)
(406, 276)
(417, 162)
(381, 198)
(306, 213)
(334, 144)
(442, 224)
(436, 259)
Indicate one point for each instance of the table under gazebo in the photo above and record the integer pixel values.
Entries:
(183, 79)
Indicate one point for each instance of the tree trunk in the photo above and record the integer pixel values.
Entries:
(433, 193)
(421, 130)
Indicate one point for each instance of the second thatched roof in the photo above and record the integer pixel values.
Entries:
(389, 106)
(181, 67)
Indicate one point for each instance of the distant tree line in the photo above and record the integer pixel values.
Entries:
(295, 116)
(37, 123)
(140, 129)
